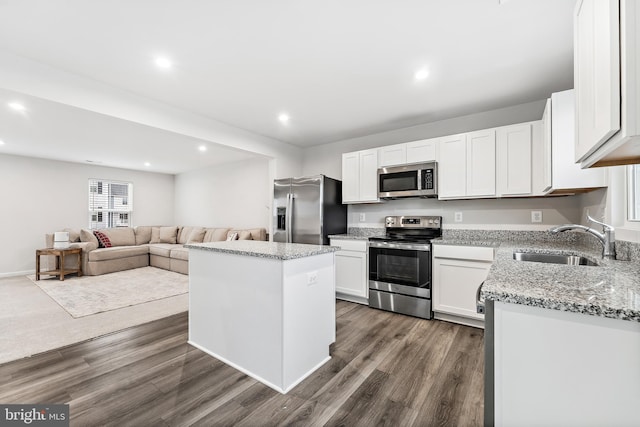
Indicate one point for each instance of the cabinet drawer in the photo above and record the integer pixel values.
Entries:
(350, 245)
(476, 253)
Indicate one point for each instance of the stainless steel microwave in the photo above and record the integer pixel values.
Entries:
(414, 180)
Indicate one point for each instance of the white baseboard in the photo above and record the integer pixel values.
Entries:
(17, 273)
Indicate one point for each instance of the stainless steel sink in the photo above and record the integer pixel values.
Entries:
(553, 258)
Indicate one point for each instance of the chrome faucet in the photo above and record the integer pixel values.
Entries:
(607, 237)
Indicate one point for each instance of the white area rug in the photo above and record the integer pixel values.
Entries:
(87, 295)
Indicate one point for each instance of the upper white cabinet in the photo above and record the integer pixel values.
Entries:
(452, 167)
(567, 177)
(545, 182)
(425, 150)
(359, 177)
(481, 163)
(606, 70)
(514, 160)
(392, 155)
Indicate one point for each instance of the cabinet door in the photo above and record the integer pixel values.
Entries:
(351, 273)
(596, 73)
(425, 150)
(545, 185)
(393, 155)
(368, 172)
(481, 163)
(350, 177)
(455, 285)
(452, 167)
(514, 160)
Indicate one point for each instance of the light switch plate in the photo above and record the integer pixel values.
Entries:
(362, 217)
(457, 216)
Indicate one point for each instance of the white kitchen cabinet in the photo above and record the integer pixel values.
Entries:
(392, 155)
(359, 177)
(558, 368)
(514, 158)
(606, 69)
(425, 150)
(452, 167)
(545, 181)
(352, 283)
(481, 163)
(458, 272)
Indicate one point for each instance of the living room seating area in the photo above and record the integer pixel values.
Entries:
(124, 248)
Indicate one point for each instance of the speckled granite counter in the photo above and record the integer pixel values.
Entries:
(611, 289)
(254, 248)
(359, 233)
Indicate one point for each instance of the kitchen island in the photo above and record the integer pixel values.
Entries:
(264, 308)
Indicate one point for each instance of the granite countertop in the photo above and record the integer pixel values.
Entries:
(611, 289)
(261, 249)
(349, 237)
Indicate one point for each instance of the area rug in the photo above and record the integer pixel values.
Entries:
(87, 295)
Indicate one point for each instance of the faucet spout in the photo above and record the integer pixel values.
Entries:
(606, 238)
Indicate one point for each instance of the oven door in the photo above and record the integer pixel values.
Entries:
(400, 268)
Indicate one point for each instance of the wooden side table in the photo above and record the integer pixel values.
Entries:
(60, 254)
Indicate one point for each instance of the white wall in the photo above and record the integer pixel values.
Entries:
(230, 195)
(42, 196)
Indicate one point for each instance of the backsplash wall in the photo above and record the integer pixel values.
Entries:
(486, 214)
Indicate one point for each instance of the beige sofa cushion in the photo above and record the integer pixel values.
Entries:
(162, 249)
(164, 234)
(251, 234)
(143, 234)
(88, 236)
(196, 236)
(120, 236)
(180, 253)
(185, 233)
(215, 235)
(116, 252)
(74, 235)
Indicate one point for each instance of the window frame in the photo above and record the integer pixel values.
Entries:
(111, 216)
(632, 195)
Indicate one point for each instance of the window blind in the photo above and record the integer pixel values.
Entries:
(110, 204)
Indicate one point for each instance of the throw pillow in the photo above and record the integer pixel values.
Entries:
(155, 235)
(88, 236)
(103, 240)
(143, 234)
(232, 236)
(245, 235)
(196, 236)
(168, 234)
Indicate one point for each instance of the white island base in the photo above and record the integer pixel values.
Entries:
(272, 319)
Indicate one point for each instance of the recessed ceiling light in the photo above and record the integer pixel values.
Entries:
(147, 164)
(16, 106)
(284, 118)
(163, 62)
(421, 74)
(202, 148)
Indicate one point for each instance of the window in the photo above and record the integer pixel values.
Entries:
(633, 187)
(110, 203)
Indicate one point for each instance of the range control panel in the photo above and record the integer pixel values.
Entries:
(413, 221)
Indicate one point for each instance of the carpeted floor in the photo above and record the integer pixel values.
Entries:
(31, 322)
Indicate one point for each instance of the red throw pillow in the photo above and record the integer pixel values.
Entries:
(103, 240)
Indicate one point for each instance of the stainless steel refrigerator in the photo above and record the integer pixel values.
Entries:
(308, 209)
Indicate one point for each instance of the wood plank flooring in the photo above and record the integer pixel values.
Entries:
(386, 369)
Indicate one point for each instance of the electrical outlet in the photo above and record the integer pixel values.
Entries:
(312, 278)
(362, 217)
(457, 216)
(536, 216)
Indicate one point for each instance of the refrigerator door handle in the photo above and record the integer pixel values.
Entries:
(289, 216)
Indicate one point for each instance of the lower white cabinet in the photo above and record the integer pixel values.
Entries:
(351, 270)
(458, 272)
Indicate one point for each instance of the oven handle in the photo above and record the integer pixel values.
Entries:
(410, 246)
(480, 307)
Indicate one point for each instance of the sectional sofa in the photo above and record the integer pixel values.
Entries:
(157, 246)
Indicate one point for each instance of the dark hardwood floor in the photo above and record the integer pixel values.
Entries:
(386, 369)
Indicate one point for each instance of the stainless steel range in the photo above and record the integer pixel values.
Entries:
(400, 265)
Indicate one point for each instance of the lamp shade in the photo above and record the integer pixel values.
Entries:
(61, 240)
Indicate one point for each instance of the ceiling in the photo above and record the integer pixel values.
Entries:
(340, 69)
